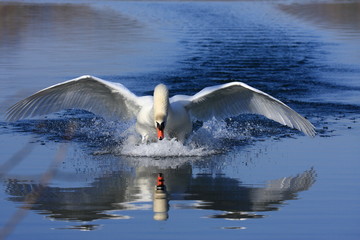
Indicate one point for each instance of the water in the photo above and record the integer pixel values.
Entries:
(74, 175)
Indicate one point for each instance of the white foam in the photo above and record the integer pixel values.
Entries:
(203, 142)
(206, 141)
(164, 148)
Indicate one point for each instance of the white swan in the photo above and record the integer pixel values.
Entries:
(158, 116)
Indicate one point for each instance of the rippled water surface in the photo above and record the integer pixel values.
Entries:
(74, 175)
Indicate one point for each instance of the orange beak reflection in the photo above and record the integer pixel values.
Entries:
(160, 134)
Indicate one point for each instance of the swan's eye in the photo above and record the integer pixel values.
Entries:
(160, 126)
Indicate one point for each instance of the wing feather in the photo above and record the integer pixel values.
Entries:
(112, 100)
(236, 98)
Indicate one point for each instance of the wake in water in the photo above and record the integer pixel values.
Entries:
(209, 138)
(200, 143)
(164, 148)
(213, 137)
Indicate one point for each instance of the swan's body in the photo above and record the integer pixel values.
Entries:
(158, 116)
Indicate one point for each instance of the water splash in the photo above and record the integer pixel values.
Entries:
(164, 149)
(210, 139)
(119, 138)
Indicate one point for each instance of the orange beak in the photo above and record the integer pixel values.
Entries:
(160, 134)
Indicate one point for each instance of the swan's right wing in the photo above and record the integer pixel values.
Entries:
(112, 100)
(232, 99)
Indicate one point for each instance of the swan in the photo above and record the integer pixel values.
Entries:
(158, 116)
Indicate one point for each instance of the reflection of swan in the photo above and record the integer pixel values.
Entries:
(228, 195)
(74, 204)
(171, 117)
(160, 200)
(116, 192)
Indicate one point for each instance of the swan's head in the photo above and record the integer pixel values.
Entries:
(161, 105)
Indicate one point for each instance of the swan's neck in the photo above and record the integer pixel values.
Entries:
(161, 103)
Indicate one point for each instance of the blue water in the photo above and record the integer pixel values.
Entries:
(74, 175)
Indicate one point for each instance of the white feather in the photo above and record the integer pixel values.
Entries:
(232, 99)
(113, 100)
(101, 97)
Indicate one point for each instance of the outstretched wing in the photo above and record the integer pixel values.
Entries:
(235, 98)
(111, 100)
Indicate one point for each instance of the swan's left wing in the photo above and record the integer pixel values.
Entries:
(235, 98)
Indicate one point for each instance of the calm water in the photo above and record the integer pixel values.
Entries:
(73, 175)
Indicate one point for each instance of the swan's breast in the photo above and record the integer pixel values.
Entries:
(178, 123)
(145, 121)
